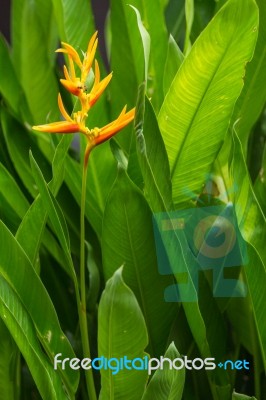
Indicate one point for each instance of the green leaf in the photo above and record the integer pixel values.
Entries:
(75, 22)
(126, 45)
(101, 175)
(12, 193)
(189, 13)
(128, 239)
(153, 14)
(17, 270)
(18, 142)
(166, 383)
(260, 185)
(55, 213)
(37, 75)
(174, 59)
(238, 396)
(122, 331)
(9, 362)
(34, 221)
(145, 42)
(252, 225)
(152, 156)
(22, 329)
(94, 279)
(10, 87)
(196, 111)
(253, 97)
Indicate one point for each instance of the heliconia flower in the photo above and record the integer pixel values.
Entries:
(77, 86)
(72, 83)
(71, 125)
(95, 136)
(100, 135)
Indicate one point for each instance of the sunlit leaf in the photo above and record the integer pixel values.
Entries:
(196, 112)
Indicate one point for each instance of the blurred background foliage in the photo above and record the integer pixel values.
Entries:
(199, 135)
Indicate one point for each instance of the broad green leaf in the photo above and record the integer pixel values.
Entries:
(238, 396)
(128, 239)
(250, 216)
(204, 10)
(55, 213)
(121, 332)
(37, 75)
(260, 185)
(189, 13)
(152, 156)
(173, 62)
(145, 42)
(12, 192)
(252, 225)
(196, 111)
(34, 221)
(126, 45)
(9, 362)
(101, 175)
(10, 88)
(18, 142)
(175, 18)
(253, 97)
(166, 384)
(75, 22)
(153, 15)
(22, 329)
(244, 326)
(17, 270)
(94, 279)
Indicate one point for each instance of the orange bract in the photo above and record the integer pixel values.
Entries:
(76, 85)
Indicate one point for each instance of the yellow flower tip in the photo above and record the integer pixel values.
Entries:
(91, 42)
(37, 127)
(62, 109)
(58, 127)
(67, 48)
(114, 127)
(74, 88)
(98, 89)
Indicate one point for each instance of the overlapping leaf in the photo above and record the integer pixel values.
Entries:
(196, 112)
(122, 331)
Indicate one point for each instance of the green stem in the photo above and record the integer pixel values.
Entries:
(82, 303)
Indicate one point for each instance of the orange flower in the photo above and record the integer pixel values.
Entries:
(77, 86)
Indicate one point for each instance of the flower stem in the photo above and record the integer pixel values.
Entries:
(82, 304)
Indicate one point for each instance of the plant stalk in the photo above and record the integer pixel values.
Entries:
(82, 303)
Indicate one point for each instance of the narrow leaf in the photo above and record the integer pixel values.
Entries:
(166, 383)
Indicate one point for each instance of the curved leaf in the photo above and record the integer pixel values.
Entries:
(17, 270)
(22, 329)
(9, 361)
(174, 59)
(253, 97)
(10, 87)
(75, 22)
(196, 112)
(122, 332)
(252, 225)
(128, 239)
(152, 155)
(37, 75)
(166, 383)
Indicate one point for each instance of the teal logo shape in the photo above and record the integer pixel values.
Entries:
(200, 239)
